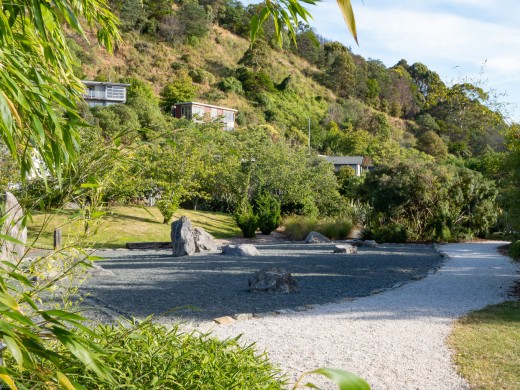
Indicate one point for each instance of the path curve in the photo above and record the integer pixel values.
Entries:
(395, 340)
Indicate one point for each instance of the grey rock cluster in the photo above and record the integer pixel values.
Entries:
(187, 240)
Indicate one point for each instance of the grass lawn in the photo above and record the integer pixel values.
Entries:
(486, 346)
(121, 225)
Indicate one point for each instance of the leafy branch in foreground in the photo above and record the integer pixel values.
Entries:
(289, 12)
(38, 90)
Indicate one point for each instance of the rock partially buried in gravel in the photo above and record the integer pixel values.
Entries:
(367, 243)
(273, 280)
(345, 248)
(224, 320)
(242, 250)
(316, 238)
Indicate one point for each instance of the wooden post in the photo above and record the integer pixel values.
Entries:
(57, 239)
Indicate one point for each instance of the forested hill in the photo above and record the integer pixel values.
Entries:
(189, 50)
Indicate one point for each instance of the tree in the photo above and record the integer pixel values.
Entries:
(181, 89)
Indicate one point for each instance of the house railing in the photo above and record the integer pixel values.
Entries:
(104, 95)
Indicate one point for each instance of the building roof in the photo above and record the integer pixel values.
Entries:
(88, 82)
(206, 105)
(345, 160)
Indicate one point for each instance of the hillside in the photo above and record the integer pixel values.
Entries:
(356, 106)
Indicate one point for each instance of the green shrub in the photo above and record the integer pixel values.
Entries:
(150, 356)
(514, 250)
(268, 210)
(201, 76)
(335, 229)
(167, 207)
(390, 233)
(246, 220)
(230, 84)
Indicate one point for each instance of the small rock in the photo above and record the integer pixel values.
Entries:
(224, 320)
(345, 248)
(243, 316)
(263, 315)
(370, 244)
(243, 250)
(97, 270)
(417, 277)
(315, 238)
(272, 280)
(284, 311)
(301, 308)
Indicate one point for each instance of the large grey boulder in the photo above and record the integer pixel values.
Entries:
(273, 280)
(12, 227)
(204, 241)
(315, 238)
(242, 250)
(345, 248)
(183, 242)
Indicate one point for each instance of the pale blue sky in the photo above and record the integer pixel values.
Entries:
(455, 38)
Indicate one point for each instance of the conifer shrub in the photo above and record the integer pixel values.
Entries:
(246, 219)
(268, 211)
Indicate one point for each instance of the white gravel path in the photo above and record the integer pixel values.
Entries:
(395, 340)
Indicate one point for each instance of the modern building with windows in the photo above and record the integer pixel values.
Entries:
(99, 93)
(205, 112)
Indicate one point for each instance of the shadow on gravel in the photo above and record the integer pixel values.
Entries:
(154, 282)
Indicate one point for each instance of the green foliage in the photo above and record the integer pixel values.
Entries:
(168, 205)
(230, 84)
(343, 379)
(181, 89)
(392, 233)
(42, 119)
(268, 210)
(514, 250)
(431, 143)
(246, 219)
(335, 228)
(201, 76)
(149, 356)
(298, 227)
(428, 200)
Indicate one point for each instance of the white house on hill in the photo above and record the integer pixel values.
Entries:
(99, 93)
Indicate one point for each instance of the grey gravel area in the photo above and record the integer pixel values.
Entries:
(153, 282)
(395, 340)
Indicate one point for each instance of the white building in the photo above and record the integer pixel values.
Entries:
(99, 93)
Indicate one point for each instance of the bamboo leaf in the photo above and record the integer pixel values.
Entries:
(348, 14)
(4, 375)
(14, 349)
(64, 381)
(344, 379)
